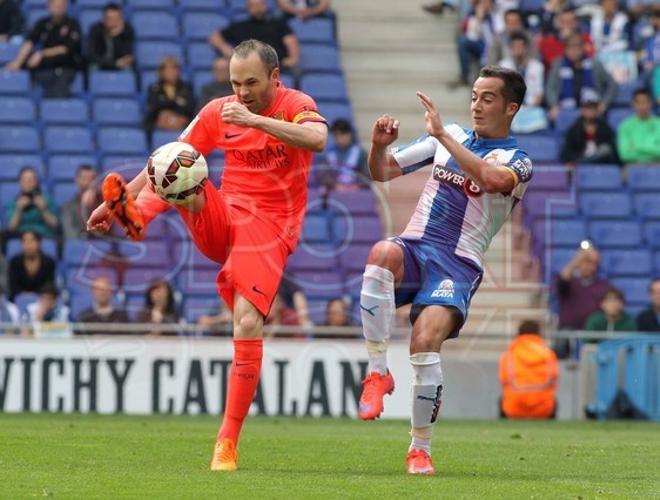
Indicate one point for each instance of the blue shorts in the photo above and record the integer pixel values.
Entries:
(434, 275)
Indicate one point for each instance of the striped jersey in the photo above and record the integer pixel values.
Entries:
(453, 210)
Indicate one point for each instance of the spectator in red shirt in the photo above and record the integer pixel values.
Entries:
(552, 45)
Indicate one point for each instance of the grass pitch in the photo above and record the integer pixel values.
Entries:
(111, 456)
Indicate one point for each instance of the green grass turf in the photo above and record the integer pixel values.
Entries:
(112, 456)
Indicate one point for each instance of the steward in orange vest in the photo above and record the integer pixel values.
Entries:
(528, 373)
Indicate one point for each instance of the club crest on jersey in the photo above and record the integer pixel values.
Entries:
(446, 175)
(445, 290)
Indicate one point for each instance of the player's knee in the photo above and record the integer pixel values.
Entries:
(248, 324)
(387, 255)
(425, 341)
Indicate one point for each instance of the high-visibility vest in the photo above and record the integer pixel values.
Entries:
(528, 373)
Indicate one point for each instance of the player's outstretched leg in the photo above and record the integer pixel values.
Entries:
(432, 327)
(377, 308)
(243, 380)
(123, 206)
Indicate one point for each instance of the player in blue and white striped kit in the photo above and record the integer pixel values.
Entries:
(477, 177)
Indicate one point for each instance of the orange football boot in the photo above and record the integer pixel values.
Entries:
(419, 462)
(374, 388)
(225, 456)
(123, 207)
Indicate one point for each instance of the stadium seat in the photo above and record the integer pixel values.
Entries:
(150, 4)
(17, 110)
(160, 137)
(644, 177)
(64, 167)
(531, 5)
(34, 15)
(598, 177)
(68, 140)
(360, 202)
(189, 256)
(14, 163)
(315, 229)
(325, 284)
(319, 58)
(201, 55)
(64, 111)
(79, 302)
(625, 93)
(615, 234)
(146, 253)
(288, 81)
(24, 299)
(565, 120)
(634, 289)
(114, 140)
(8, 192)
(315, 30)
(137, 279)
(627, 262)
(63, 192)
(14, 82)
(561, 233)
(150, 54)
(652, 234)
(112, 83)
(88, 17)
(616, 116)
(84, 252)
(199, 25)
(354, 258)
(647, 205)
(147, 79)
(555, 204)
(201, 5)
(8, 52)
(198, 281)
(606, 205)
(126, 165)
(356, 229)
(93, 4)
(153, 25)
(656, 262)
(194, 307)
(48, 246)
(549, 178)
(19, 138)
(324, 87)
(539, 147)
(334, 111)
(201, 78)
(114, 111)
(307, 258)
(556, 259)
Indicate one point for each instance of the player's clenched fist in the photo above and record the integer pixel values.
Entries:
(385, 130)
(237, 114)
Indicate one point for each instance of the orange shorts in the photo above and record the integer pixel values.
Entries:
(251, 253)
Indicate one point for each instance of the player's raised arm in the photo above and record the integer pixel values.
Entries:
(382, 164)
(492, 179)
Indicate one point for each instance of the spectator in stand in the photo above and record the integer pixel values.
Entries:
(11, 21)
(336, 313)
(500, 48)
(576, 79)
(344, 165)
(170, 102)
(57, 57)
(637, 8)
(102, 310)
(649, 49)
(305, 9)
(265, 28)
(477, 32)
(649, 319)
(9, 313)
(611, 316)
(580, 289)
(638, 137)
(590, 139)
(609, 27)
(220, 86)
(31, 269)
(32, 210)
(74, 213)
(531, 117)
(552, 45)
(549, 16)
(528, 372)
(110, 44)
(217, 320)
(160, 307)
(294, 298)
(51, 316)
(282, 315)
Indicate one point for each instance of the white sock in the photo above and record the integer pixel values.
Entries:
(377, 311)
(426, 397)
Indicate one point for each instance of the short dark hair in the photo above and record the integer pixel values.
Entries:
(111, 6)
(86, 166)
(342, 126)
(514, 87)
(265, 52)
(521, 37)
(616, 292)
(36, 235)
(642, 91)
(517, 12)
(529, 326)
(49, 288)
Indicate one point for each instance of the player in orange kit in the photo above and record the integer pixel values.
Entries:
(251, 225)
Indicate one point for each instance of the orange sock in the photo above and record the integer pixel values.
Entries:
(243, 380)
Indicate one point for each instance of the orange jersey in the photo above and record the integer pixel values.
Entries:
(261, 174)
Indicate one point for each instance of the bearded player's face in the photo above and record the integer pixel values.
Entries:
(252, 84)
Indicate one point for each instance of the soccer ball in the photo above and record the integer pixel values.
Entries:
(177, 172)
